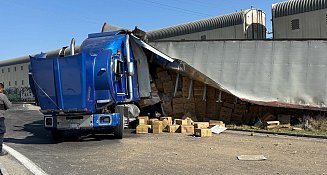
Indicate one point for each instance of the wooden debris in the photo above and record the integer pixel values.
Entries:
(203, 132)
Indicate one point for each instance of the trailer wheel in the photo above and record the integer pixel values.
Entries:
(58, 135)
(119, 130)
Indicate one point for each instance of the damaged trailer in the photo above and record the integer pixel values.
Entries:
(277, 73)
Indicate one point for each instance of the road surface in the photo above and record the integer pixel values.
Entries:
(163, 153)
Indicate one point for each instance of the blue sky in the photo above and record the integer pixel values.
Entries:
(32, 26)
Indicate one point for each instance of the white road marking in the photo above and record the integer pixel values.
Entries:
(25, 161)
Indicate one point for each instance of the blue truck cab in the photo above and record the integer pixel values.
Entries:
(83, 90)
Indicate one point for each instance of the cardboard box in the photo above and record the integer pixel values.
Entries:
(226, 110)
(165, 124)
(211, 93)
(189, 129)
(201, 125)
(157, 127)
(142, 129)
(180, 122)
(225, 117)
(144, 118)
(236, 118)
(173, 128)
(228, 105)
(168, 86)
(203, 132)
(169, 119)
(200, 107)
(151, 121)
(178, 108)
(285, 120)
(216, 122)
(180, 100)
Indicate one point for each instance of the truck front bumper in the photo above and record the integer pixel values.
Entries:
(95, 121)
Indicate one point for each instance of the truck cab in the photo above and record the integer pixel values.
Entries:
(87, 89)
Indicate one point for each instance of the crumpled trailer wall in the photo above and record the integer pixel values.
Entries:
(275, 73)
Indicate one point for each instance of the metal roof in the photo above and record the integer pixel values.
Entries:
(198, 26)
(292, 7)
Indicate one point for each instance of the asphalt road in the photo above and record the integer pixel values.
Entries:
(163, 153)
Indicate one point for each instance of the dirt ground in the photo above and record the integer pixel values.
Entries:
(180, 154)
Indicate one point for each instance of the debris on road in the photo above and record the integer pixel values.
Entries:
(186, 126)
(251, 157)
(218, 129)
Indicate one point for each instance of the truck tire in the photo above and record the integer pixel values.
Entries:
(119, 130)
(58, 135)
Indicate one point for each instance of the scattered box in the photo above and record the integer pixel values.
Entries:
(144, 118)
(216, 122)
(203, 132)
(173, 128)
(142, 121)
(151, 121)
(142, 129)
(180, 122)
(157, 127)
(201, 125)
(189, 129)
(271, 124)
(168, 118)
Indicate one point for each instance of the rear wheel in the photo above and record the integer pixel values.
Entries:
(58, 135)
(119, 130)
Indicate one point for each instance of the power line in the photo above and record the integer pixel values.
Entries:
(178, 9)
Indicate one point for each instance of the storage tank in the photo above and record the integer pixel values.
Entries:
(245, 24)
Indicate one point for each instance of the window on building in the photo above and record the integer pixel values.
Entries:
(15, 83)
(9, 83)
(22, 82)
(203, 37)
(295, 23)
(8, 69)
(21, 67)
(2, 71)
(326, 18)
(15, 69)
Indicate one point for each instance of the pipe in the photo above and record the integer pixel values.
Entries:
(72, 46)
(130, 69)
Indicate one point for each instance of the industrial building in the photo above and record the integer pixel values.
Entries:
(245, 24)
(300, 19)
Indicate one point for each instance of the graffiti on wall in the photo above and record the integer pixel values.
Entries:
(22, 94)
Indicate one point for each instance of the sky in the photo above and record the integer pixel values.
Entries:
(31, 26)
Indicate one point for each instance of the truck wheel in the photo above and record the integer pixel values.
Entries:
(58, 135)
(119, 130)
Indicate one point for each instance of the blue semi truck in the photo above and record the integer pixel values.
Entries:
(90, 88)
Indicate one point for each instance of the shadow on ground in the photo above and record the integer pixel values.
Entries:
(36, 134)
